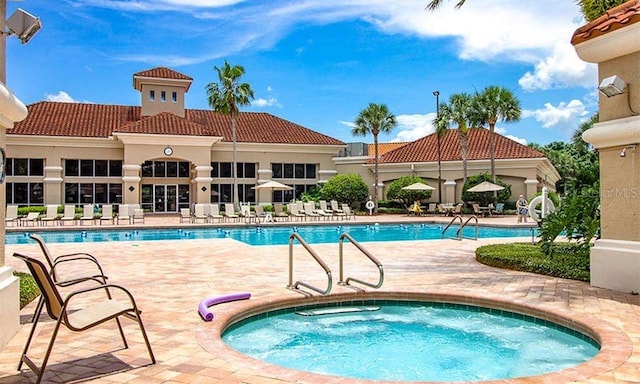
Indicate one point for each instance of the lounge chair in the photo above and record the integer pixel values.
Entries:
(50, 216)
(476, 209)
(335, 207)
(11, 215)
(32, 217)
(214, 213)
(68, 313)
(324, 207)
(295, 211)
(87, 214)
(245, 211)
(327, 215)
(185, 215)
(499, 209)
(68, 215)
(123, 214)
(200, 214)
(138, 215)
(432, 208)
(309, 210)
(278, 211)
(261, 214)
(348, 212)
(230, 212)
(107, 213)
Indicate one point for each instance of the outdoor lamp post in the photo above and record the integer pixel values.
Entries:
(437, 95)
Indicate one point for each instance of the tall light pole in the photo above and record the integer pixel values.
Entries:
(437, 95)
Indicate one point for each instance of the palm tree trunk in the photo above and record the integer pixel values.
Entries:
(464, 149)
(234, 167)
(375, 171)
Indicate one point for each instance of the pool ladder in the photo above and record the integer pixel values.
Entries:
(461, 227)
(295, 286)
(373, 259)
(346, 282)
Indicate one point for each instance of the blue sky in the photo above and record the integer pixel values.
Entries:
(317, 63)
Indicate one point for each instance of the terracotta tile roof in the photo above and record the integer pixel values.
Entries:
(97, 120)
(385, 147)
(615, 18)
(163, 73)
(165, 123)
(425, 149)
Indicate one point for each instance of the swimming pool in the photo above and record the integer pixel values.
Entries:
(410, 341)
(267, 235)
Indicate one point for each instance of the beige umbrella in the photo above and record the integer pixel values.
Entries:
(486, 186)
(273, 185)
(418, 187)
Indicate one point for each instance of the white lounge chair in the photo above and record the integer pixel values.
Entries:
(309, 210)
(87, 214)
(11, 215)
(348, 212)
(123, 214)
(51, 215)
(200, 214)
(107, 213)
(69, 214)
(230, 212)
(138, 215)
(185, 215)
(214, 213)
(32, 217)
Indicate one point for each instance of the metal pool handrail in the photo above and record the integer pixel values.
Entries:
(459, 233)
(366, 253)
(457, 217)
(294, 286)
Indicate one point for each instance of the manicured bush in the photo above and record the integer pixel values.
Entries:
(569, 260)
(28, 288)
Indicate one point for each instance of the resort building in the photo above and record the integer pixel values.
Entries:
(160, 154)
(525, 168)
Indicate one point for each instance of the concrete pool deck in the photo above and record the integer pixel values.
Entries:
(169, 278)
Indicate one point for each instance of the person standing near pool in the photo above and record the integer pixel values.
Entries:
(521, 208)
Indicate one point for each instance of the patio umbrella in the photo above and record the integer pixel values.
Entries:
(486, 186)
(273, 186)
(418, 187)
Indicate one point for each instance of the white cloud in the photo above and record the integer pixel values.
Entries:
(349, 124)
(268, 102)
(62, 97)
(413, 127)
(563, 68)
(565, 116)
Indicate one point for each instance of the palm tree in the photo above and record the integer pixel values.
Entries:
(591, 9)
(374, 119)
(458, 111)
(225, 97)
(491, 105)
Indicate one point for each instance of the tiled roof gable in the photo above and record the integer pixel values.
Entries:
(618, 17)
(425, 149)
(385, 147)
(165, 123)
(163, 73)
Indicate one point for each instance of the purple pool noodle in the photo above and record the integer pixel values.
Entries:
(203, 307)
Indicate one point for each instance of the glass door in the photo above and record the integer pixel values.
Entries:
(165, 198)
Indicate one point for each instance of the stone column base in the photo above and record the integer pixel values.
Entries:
(10, 299)
(615, 264)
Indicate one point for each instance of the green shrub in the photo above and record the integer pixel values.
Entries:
(28, 288)
(569, 260)
(24, 211)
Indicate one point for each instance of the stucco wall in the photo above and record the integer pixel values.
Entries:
(628, 68)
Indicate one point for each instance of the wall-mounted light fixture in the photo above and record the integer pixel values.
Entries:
(624, 150)
(23, 25)
(612, 86)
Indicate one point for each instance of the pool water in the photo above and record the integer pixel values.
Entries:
(415, 342)
(268, 235)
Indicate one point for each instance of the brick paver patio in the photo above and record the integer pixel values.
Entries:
(169, 278)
